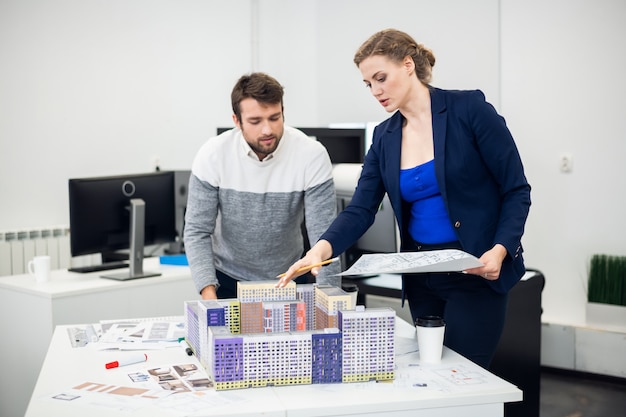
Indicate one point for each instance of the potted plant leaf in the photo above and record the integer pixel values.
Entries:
(606, 290)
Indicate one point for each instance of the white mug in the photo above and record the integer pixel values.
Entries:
(39, 266)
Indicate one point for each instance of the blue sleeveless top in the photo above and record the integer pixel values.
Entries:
(429, 222)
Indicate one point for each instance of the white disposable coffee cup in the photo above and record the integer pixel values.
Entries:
(39, 266)
(353, 290)
(430, 332)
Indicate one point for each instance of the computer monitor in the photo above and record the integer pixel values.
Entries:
(344, 145)
(181, 184)
(113, 213)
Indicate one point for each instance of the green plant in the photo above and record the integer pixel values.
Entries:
(607, 280)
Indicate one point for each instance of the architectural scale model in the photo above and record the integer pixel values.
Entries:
(299, 334)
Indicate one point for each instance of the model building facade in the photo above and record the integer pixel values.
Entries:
(300, 334)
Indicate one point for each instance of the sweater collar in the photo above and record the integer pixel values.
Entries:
(247, 150)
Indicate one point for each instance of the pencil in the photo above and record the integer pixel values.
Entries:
(309, 267)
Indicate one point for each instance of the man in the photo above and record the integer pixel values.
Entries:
(250, 190)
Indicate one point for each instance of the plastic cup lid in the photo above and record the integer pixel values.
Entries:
(429, 321)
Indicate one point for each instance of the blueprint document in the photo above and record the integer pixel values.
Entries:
(446, 260)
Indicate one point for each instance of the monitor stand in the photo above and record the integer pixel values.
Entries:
(135, 255)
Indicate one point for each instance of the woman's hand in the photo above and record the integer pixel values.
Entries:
(492, 262)
(318, 253)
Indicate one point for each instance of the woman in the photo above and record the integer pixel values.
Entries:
(455, 180)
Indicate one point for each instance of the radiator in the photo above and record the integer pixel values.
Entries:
(20, 246)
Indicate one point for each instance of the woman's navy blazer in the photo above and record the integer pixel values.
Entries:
(479, 172)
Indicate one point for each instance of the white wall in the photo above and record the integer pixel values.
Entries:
(463, 36)
(563, 66)
(286, 49)
(102, 87)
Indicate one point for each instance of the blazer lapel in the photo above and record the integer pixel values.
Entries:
(439, 115)
(393, 145)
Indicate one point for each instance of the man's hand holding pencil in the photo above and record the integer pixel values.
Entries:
(314, 259)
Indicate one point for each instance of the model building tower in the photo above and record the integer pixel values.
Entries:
(326, 357)
(255, 291)
(200, 315)
(258, 360)
(306, 293)
(225, 366)
(328, 301)
(368, 343)
(284, 316)
(277, 359)
(192, 326)
(224, 312)
(252, 295)
(360, 347)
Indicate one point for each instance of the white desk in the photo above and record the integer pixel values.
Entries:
(518, 356)
(66, 366)
(30, 312)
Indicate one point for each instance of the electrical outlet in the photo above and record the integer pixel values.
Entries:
(565, 162)
(156, 162)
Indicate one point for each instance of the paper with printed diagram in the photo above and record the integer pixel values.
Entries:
(445, 260)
